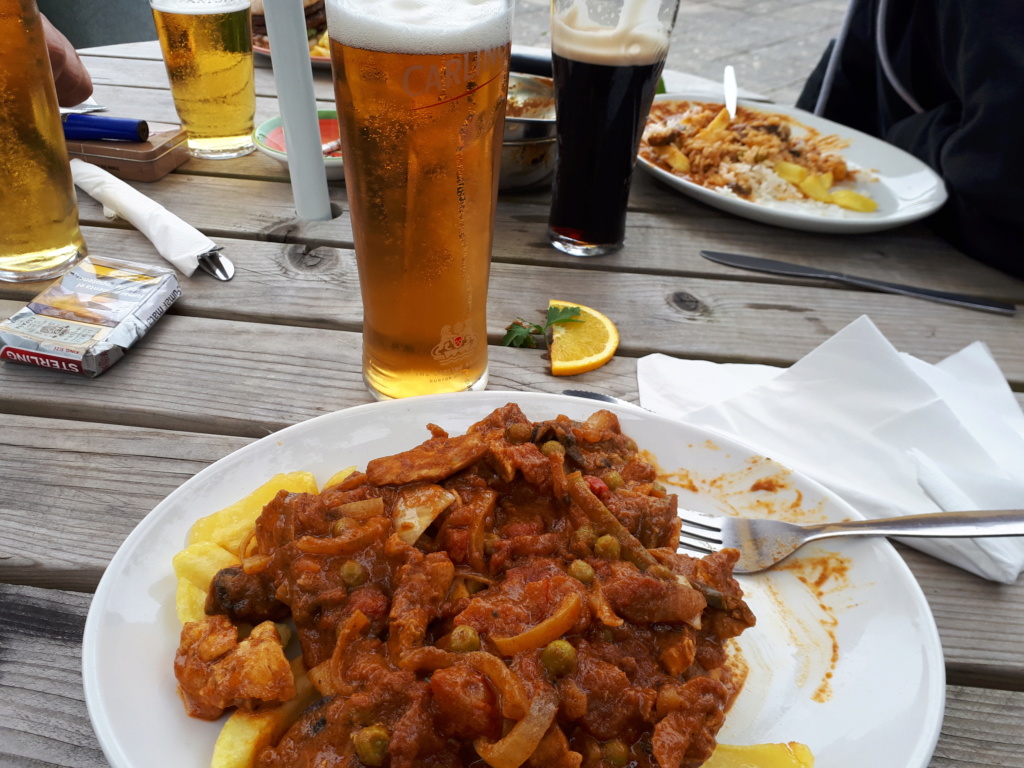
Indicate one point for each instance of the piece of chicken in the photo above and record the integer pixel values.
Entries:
(216, 671)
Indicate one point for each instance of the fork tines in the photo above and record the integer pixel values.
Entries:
(699, 532)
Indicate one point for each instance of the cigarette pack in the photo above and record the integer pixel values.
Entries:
(84, 322)
(136, 160)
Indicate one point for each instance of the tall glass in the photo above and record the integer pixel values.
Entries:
(421, 103)
(607, 57)
(207, 47)
(39, 234)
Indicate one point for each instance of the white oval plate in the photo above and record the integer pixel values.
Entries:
(888, 683)
(904, 187)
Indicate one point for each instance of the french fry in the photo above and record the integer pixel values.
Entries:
(229, 527)
(717, 125)
(814, 187)
(854, 201)
(199, 563)
(791, 172)
(790, 755)
(246, 733)
(190, 602)
(338, 476)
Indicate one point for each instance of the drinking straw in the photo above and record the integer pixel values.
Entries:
(293, 74)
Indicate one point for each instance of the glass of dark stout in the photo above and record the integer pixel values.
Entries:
(608, 56)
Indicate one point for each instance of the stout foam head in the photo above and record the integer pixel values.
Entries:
(420, 26)
(637, 37)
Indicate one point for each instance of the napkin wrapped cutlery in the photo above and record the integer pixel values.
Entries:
(175, 239)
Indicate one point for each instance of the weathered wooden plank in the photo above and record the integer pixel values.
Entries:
(156, 104)
(43, 718)
(726, 321)
(101, 480)
(981, 727)
(268, 378)
(147, 49)
(150, 73)
(659, 243)
(980, 649)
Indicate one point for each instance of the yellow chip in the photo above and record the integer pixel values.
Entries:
(246, 733)
(229, 527)
(190, 602)
(199, 563)
(791, 755)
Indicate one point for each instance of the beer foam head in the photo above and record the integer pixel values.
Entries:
(199, 6)
(638, 36)
(420, 26)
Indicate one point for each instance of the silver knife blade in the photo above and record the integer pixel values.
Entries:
(758, 264)
(729, 87)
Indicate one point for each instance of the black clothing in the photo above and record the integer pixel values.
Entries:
(962, 61)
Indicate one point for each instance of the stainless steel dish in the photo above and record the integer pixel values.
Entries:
(528, 148)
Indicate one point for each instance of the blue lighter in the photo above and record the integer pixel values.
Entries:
(80, 127)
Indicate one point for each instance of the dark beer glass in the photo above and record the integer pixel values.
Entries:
(608, 56)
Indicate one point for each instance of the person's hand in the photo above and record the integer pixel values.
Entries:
(74, 85)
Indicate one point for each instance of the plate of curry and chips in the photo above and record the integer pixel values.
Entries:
(692, 145)
(844, 657)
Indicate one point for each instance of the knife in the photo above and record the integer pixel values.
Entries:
(729, 87)
(795, 270)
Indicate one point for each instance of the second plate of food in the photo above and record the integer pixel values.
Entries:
(733, 166)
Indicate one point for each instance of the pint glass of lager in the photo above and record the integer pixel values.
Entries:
(421, 102)
(607, 57)
(39, 235)
(207, 47)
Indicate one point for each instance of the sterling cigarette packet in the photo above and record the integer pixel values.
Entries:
(84, 322)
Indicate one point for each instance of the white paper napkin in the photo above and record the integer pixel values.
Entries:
(889, 433)
(176, 240)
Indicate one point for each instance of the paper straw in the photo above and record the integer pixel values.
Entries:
(289, 46)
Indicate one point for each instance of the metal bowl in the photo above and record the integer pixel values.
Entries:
(528, 148)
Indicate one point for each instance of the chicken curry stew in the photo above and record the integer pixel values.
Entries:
(511, 596)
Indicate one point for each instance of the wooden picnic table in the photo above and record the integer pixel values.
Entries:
(83, 460)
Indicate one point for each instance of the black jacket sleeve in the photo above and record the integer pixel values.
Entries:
(963, 61)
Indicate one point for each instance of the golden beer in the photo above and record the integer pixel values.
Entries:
(207, 47)
(421, 125)
(39, 235)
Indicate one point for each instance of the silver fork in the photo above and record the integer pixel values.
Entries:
(762, 543)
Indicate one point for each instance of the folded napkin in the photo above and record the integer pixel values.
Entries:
(176, 240)
(887, 432)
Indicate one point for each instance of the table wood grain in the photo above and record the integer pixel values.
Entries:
(82, 461)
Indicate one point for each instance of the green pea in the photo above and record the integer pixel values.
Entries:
(490, 539)
(464, 639)
(584, 535)
(371, 744)
(616, 752)
(353, 573)
(519, 433)
(579, 569)
(559, 658)
(553, 448)
(608, 547)
(342, 524)
(613, 480)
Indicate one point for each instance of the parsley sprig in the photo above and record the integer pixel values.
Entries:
(521, 333)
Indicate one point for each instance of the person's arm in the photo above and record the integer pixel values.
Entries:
(974, 142)
(74, 85)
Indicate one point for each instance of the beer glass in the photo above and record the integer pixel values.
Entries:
(607, 57)
(39, 234)
(207, 47)
(421, 102)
